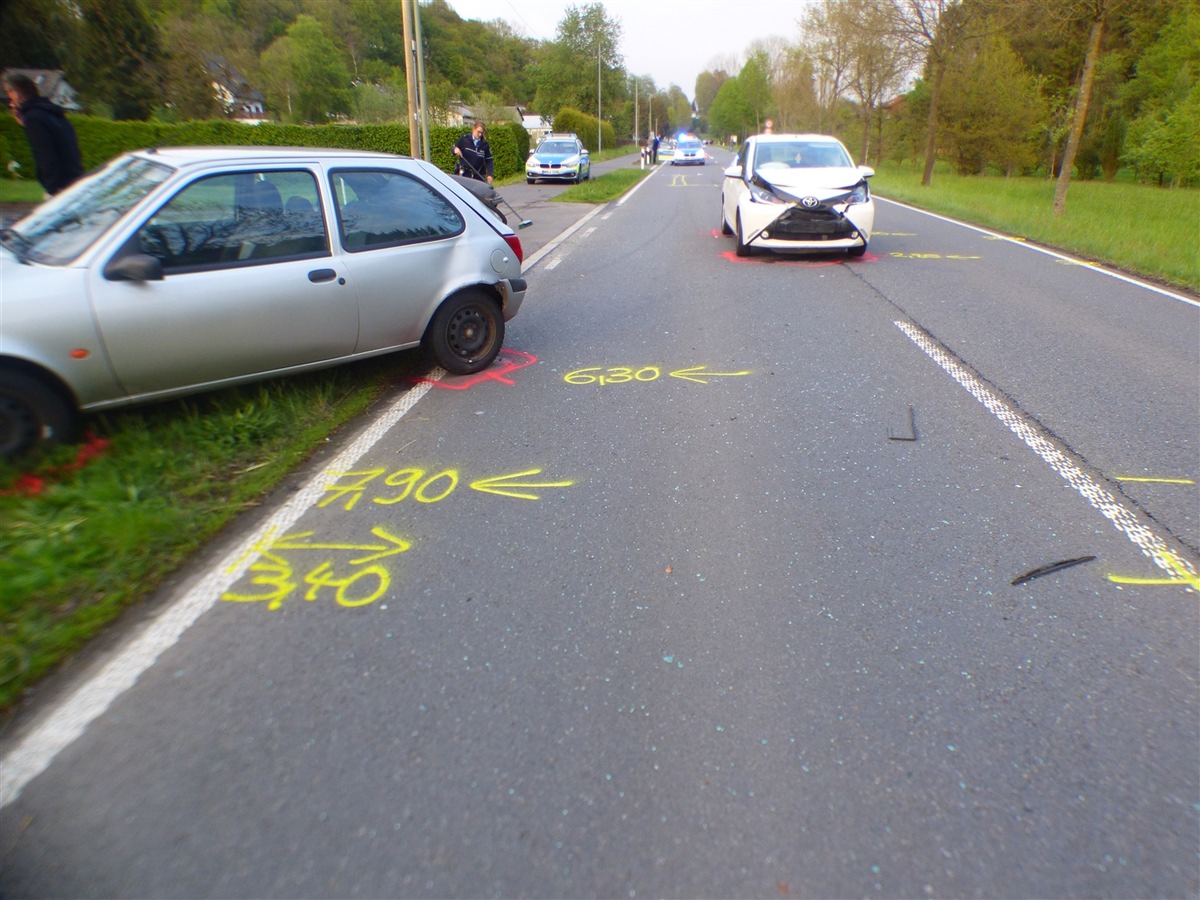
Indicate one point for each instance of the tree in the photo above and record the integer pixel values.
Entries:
(982, 126)
(877, 62)
(707, 85)
(586, 48)
(792, 93)
(36, 34)
(1162, 99)
(730, 113)
(826, 45)
(304, 74)
(756, 88)
(932, 29)
(1096, 12)
(115, 63)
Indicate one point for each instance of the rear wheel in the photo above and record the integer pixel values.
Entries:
(32, 412)
(466, 333)
(743, 249)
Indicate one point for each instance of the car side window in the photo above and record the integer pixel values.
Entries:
(379, 208)
(238, 219)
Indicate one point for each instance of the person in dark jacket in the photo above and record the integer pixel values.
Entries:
(51, 135)
(475, 155)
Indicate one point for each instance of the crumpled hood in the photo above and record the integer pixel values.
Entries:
(795, 184)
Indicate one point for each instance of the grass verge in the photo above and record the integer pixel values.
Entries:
(1149, 231)
(604, 187)
(20, 191)
(101, 536)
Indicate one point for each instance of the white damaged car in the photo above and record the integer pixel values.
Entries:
(798, 192)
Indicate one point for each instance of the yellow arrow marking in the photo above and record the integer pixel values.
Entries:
(296, 542)
(700, 376)
(505, 486)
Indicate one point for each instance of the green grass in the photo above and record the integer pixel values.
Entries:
(604, 187)
(103, 536)
(20, 191)
(1150, 231)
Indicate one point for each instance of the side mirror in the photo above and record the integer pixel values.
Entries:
(734, 171)
(866, 171)
(134, 267)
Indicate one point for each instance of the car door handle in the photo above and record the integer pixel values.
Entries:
(316, 276)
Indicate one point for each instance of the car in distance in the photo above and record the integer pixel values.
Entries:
(688, 152)
(559, 157)
(797, 192)
(178, 270)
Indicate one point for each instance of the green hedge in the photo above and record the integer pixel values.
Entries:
(584, 127)
(102, 139)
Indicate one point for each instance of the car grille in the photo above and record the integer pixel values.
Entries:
(815, 225)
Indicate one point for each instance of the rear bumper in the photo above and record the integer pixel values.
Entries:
(513, 290)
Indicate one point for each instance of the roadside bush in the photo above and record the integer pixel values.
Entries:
(100, 140)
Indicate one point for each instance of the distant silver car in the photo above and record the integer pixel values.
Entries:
(178, 270)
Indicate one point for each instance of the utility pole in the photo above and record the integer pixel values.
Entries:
(422, 99)
(599, 129)
(410, 79)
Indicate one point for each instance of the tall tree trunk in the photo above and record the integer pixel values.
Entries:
(1081, 108)
(935, 94)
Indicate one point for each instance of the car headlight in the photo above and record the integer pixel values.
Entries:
(860, 194)
(758, 195)
(571, 161)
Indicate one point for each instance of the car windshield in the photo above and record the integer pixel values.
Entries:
(62, 228)
(689, 145)
(800, 155)
(559, 148)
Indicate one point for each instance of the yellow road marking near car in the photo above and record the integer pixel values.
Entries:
(1155, 480)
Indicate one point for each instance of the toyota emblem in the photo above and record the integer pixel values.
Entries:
(810, 202)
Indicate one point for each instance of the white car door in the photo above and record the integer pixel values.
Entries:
(249, 286)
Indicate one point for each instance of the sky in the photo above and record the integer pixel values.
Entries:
(672, 41)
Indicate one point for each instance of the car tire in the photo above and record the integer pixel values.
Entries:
(725, 229)
(530, 180)
(743, 249)
(32, 412)
(857, 251)
(466, 333)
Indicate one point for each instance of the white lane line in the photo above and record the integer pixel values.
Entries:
(1095, 267)
(558, 239)
(56, 731)
(1124, 521)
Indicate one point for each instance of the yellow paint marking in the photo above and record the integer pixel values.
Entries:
(1184, 575)
(505, 487)
(296, 542)
(699, 374)
(1156, 480)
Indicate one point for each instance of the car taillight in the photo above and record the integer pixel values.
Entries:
(515, 242)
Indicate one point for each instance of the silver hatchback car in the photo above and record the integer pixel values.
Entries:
(178, 270)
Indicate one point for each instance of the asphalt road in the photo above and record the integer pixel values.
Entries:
(669, 603)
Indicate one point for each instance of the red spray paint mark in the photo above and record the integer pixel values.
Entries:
(32, 484)
(800, 263)
(498, 371)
